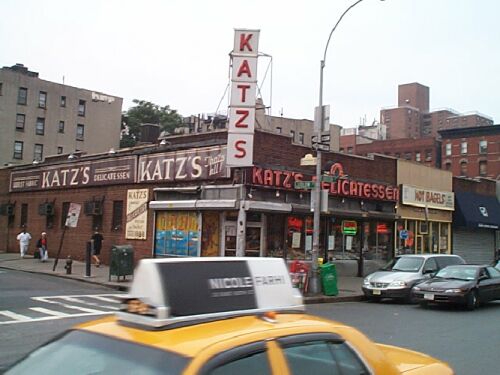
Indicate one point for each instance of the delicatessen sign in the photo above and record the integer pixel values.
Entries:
(344, 186)
(76, 175)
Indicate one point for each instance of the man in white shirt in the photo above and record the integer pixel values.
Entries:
(24, 242)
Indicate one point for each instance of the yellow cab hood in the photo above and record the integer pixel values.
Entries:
(414, 363)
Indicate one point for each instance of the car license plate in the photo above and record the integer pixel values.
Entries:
(429, 296)
(376, 292)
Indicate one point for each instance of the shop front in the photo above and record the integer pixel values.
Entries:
(476, 224)
(425, 210)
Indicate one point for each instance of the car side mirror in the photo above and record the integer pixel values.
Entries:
(429, 271)
(481, 278)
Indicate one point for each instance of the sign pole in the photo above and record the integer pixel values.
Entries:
(60, 248)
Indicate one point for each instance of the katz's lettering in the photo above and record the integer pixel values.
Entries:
(243, 88)
(244, 114)
(239, 146)
(245, 42)
(244, 69)
(344, 187)
(65, 177)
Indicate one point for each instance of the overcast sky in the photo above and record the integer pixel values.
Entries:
(176, 52)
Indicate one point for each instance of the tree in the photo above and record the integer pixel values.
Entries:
(145, 112)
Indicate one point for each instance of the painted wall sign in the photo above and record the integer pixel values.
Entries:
(76, 175)
(187, 165)
(73, 215)
(242, 104)
(440, 200)
(137, 214)
(345, 186)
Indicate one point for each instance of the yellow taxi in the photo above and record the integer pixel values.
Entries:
(213, 316)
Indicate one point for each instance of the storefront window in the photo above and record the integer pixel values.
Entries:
(296, 233)
(252, 247)
(177, 233)
(378, 243)
(210, 234)
(275, 236)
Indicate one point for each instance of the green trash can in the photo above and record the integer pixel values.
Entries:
(122, 261)
(328, 274)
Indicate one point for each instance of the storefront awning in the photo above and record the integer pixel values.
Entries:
(201, 204)
(268, 206)
(476, 211)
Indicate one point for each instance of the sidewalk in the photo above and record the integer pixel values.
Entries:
(349, 287)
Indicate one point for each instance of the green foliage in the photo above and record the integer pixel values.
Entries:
(145, 112)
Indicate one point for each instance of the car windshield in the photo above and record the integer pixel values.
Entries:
(404, 264)
(79, 352)
(460, 273)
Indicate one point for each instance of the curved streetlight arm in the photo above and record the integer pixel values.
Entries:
(334, 27)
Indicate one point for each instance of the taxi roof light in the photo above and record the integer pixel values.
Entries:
(190, 290)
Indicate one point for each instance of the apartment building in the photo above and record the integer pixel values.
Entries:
(39, 118)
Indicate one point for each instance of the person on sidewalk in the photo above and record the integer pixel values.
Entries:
(96, 250)
(24, 239)
(42, 247)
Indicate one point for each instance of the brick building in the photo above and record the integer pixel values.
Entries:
(422, 150)
(180, 198)
(39, 118)
(472, 152)
(413, 119)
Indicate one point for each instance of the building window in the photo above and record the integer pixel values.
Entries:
(24, 215)
(408, 155)
(483, 147)
(20, 120)
(428, 155)
(80, 132)
(117, 219)
(418, 157)
(447, 166)
(40, 126)
(483, 168)
(81, 108)
(63, 101)
(42, 99)
(61, 127)
(463, 168)
(18, 150)
(64, 215)
(59, 149)
(292, 134)
(397, 154)
(341, 150)
(301, 138)
(278, 130)
(448, 149)
(22, 96)
(463, 148)
(38, 153)
(1, 88)
(349, 150)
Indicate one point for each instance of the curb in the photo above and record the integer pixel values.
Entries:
(121, 288)
(329, 299)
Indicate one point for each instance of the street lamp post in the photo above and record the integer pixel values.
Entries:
(314, 283)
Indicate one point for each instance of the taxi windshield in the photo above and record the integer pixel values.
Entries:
(80, 352)
(404, 264)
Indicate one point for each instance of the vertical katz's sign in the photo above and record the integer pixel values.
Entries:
(242, 105)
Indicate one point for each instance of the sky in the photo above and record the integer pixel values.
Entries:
(176, 53)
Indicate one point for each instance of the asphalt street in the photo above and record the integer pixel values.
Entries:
(34, 308)
(468, 340)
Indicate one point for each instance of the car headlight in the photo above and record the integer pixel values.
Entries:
(417, 288)
(455, 290)
(398, 283)
(366, 281)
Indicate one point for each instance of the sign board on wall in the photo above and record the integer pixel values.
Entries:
(418, 197)
(242, 105)
(137, 214)
(73, 215)
(75, 175)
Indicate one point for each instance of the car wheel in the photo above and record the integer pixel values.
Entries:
(472, 300)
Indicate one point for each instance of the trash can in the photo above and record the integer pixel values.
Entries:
(328, 274)
(121, 262)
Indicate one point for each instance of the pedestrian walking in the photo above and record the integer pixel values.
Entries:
(24, 239)
(96, 249)
(42, 247)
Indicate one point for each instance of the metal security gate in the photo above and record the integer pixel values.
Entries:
(475, 246)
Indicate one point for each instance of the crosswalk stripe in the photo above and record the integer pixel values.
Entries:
(105, 299)
(15, 316)
(48, 312)
(84, 309)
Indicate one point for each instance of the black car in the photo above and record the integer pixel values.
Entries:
(467, 285)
